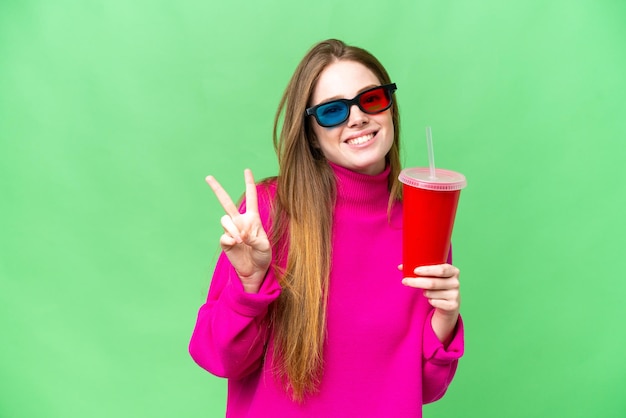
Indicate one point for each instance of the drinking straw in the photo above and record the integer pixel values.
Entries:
(431, 154)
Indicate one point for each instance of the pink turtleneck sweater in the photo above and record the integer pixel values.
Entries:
(382, 357)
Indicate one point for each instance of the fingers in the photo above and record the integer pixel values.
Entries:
(446, 305)
(251, 196)
(227, 242)
(446, 300)
(439, 270)
(440, 284)
(222, 196)
(231, 230)
(430, 283)
(446, 294)
(238, 228)
(437, 277)
(227, 202)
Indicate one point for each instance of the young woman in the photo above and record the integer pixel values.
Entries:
(308, 314)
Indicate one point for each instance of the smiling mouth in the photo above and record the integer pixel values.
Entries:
(360, 139)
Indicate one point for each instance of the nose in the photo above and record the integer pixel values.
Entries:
(357, 117)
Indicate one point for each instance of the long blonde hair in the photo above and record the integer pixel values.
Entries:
(302, 220)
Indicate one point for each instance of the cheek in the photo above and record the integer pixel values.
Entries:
(317, 132)
(325, 137)
(389, 135)
(387, 123)
(391, 128)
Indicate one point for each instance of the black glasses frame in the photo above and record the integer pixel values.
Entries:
(389, 88)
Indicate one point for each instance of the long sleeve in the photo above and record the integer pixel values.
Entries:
(440, 362)
(232, 329)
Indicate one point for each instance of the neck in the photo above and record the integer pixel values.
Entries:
(361, 193)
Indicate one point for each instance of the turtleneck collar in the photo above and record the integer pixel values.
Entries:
(361, 193)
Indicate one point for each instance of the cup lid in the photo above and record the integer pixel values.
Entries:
(445, 180)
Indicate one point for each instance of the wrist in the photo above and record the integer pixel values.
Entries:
(251, 288)
(444, 324)
(252, 283)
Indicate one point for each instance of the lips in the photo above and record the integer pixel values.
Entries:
(362, 139)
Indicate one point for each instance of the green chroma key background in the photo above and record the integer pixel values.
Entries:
(113, 112)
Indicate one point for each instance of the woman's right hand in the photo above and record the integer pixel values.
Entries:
(244, 241)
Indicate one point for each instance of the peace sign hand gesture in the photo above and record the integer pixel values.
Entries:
(244, 240)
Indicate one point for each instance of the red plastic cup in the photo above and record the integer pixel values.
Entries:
(429, 209)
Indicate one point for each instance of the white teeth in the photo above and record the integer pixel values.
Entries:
(360, 140)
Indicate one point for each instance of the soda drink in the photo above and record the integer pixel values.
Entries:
(429, 210)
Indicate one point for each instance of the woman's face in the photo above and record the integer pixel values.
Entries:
(361, 142)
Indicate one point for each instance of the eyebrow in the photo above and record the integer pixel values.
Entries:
(332, 99)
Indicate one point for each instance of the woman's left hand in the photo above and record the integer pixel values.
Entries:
(441, 287)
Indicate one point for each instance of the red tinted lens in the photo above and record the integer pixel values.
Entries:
(375, 100)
